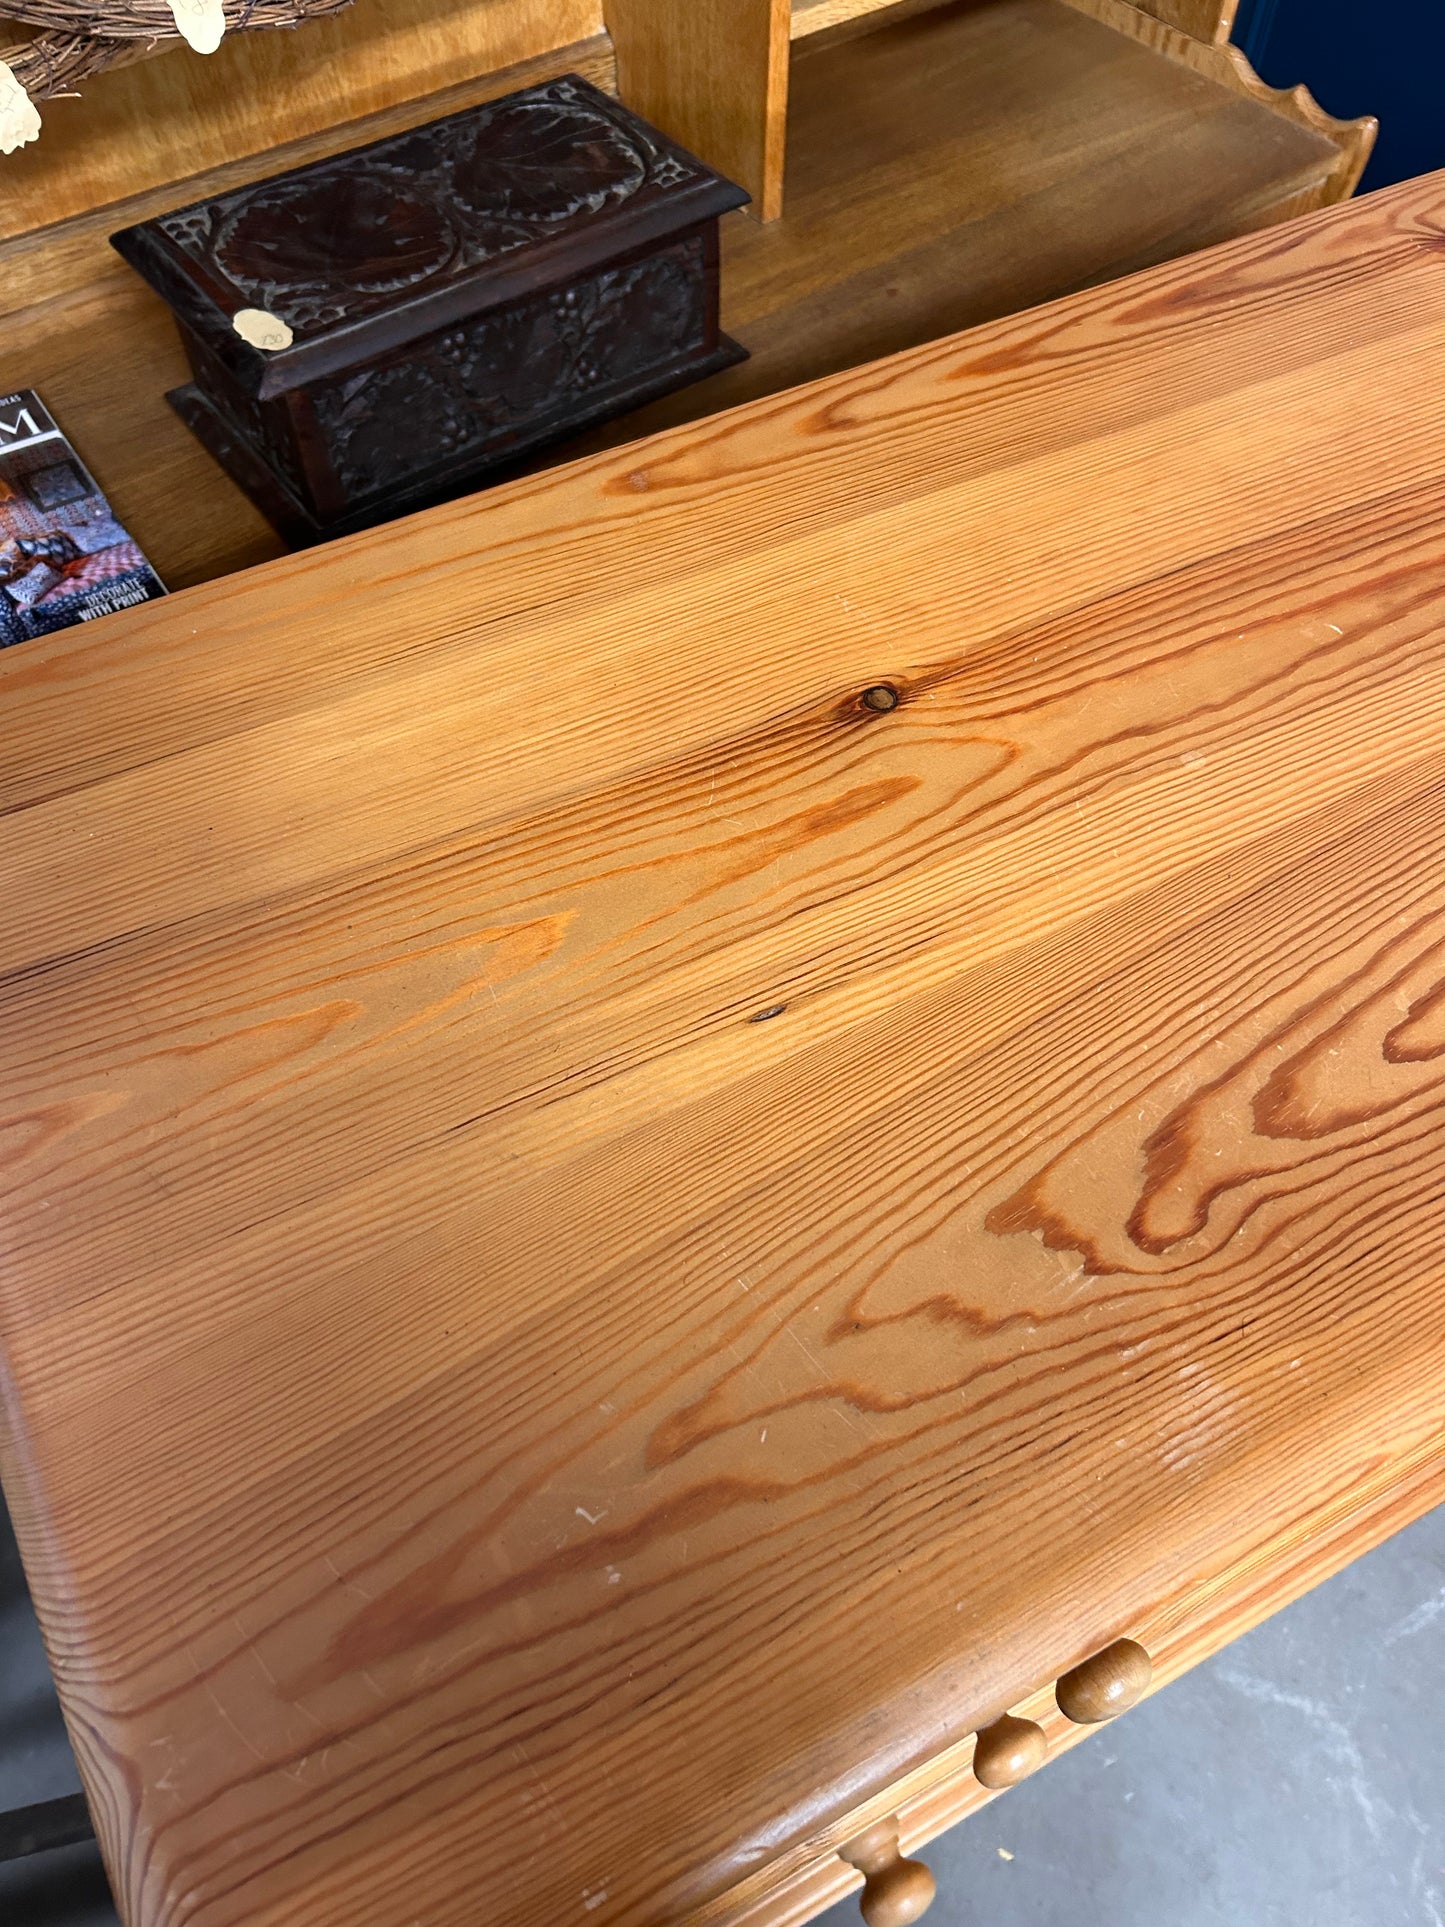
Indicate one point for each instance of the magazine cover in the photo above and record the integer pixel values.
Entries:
(63, 556)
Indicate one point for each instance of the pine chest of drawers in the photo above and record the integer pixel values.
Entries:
(699, 1154)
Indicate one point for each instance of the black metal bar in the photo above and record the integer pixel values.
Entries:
(50, 1824)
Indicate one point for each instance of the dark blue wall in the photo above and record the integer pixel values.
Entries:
(1384, 57)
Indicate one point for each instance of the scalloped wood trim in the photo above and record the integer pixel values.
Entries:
(1228, 66)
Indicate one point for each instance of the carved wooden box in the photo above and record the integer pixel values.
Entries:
(441, 303)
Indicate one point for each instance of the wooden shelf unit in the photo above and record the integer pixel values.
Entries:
(947, 163)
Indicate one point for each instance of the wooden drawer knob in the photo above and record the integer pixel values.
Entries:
(895, 1891)
(1008, 1751)
(1109, 1683)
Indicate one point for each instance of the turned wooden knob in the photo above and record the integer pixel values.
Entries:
(895, 1890)
(1008, 1751)
(1109, 1683)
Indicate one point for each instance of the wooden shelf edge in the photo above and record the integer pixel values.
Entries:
(1228, 66)
(814, 16)
(1208, 20)
(1362, 1513)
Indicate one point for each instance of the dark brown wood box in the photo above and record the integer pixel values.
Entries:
(449, 299)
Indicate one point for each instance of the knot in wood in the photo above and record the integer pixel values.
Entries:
(880, 696)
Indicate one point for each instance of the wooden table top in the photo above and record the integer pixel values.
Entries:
(607, 1247)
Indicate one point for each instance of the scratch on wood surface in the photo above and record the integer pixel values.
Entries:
(351, 1585)
(539, 1780)
(250, 1746)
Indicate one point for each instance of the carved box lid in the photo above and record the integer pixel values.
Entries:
(364, 252)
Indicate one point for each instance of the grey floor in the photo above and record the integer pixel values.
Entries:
(1298, 1780)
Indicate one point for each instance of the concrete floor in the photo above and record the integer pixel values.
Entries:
(1298, 1780)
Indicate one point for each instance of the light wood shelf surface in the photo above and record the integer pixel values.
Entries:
(609, 1249)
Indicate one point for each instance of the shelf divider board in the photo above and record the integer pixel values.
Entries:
(714, 75)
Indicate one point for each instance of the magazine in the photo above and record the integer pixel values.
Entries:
(63, 556)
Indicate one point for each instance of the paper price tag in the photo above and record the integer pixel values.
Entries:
(262, 330)
(200, 23)
(19, 116)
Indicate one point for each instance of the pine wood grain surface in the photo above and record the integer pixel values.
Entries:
(607, 1249)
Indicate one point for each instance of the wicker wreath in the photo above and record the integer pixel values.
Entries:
(75, 39)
